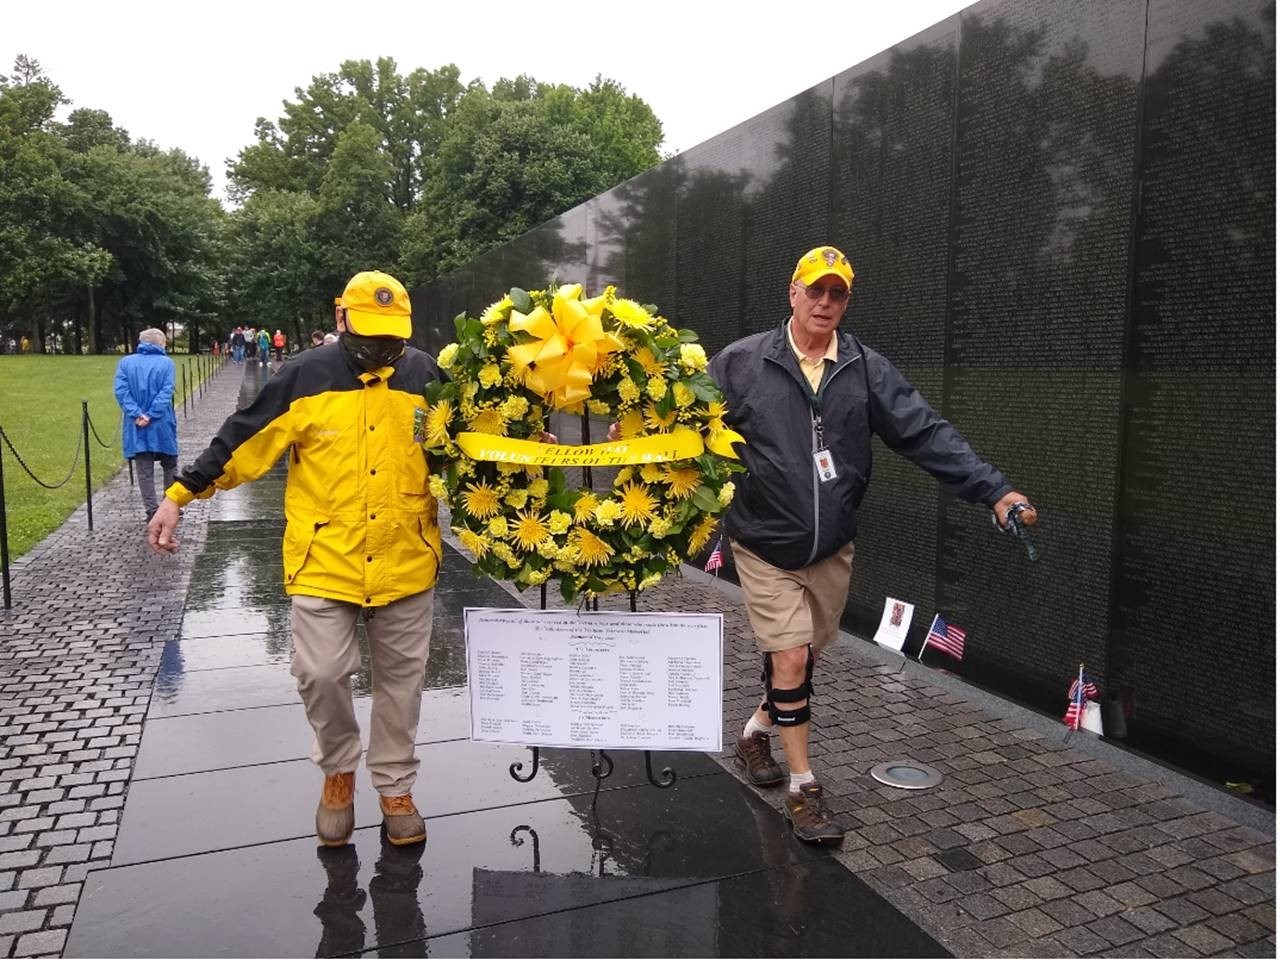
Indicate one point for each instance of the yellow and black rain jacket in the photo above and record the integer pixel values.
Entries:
(360, 523)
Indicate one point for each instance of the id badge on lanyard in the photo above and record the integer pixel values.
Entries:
(823, 458)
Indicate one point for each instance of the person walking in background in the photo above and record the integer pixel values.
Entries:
(144, 387)
(251, 343)
(318, 338)
(807, 400)
(237, 345)
(361, 539)
(278, 343)
(264, 346)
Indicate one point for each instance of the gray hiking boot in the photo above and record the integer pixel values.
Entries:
(336, 814)
(402, 821)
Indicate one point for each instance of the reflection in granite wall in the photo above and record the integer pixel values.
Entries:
(1195, 604)
(1061, 216)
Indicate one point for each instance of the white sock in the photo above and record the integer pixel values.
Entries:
(798, 780)
(755, 726)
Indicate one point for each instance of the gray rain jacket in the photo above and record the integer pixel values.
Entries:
(781, 510)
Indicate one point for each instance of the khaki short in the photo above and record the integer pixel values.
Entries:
(792, 608)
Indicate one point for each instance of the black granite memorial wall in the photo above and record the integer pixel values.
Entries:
(1061, 217)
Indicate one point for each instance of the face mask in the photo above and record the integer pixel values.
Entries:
(370, 353)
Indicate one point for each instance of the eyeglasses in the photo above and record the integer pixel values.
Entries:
(837, 293)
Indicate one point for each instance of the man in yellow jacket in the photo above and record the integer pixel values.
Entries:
(361, 538)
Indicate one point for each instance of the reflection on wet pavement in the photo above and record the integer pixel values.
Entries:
(659, 859)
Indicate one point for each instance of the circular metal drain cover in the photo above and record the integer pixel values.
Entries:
(907, 775)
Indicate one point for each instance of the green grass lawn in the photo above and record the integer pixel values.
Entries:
(40, 414)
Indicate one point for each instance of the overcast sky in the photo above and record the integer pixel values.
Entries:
(197, 75)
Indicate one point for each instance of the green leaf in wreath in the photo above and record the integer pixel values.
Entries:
(687, 336)
(520, 300)
(706, 500)
(568, 589)
(458, 325)
(563, 500)
(472, 332)
(704, 387)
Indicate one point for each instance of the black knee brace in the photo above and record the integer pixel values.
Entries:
(774, 696)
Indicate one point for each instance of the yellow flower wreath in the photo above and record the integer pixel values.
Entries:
(535, 352)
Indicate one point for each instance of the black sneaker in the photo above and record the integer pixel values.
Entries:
(754, 753)
(810, 818)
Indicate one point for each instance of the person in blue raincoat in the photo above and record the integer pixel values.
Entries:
(145, 392)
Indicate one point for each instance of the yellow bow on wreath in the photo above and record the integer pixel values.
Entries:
(567, 348)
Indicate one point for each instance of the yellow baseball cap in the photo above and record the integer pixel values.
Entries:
(823, 262)
(377, 305)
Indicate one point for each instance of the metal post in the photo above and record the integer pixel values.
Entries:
(4, 538)
(185, 391)
(84, 426)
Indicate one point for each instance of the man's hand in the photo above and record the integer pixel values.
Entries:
(163, 526)
(142, 420)
(614, 432)
(546, 437)
(1028, 517)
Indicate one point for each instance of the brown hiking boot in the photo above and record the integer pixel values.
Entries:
(402, 821)
(808, 813)
(754, 753)
(335, 815)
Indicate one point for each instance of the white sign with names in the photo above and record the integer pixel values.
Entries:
(595, 679)
(895, 621)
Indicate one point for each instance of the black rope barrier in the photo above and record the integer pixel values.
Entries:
(87, 428)
(105, 446)
(22, 463)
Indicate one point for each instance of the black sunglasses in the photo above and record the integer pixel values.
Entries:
(837, 292)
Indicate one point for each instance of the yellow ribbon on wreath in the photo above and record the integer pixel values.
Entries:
(682, 444)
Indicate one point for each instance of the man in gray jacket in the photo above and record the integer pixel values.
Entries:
(808, 399)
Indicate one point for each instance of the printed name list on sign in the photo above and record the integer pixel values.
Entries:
(607, 679)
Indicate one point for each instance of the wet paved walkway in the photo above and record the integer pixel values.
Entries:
(157, 797)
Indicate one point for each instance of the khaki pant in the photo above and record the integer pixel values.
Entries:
(326, 654)
(792, 608)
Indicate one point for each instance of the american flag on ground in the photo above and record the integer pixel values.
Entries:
(1079, 691)
(715, 559)
(946, 637)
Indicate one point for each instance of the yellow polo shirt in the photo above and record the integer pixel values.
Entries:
(813, 369)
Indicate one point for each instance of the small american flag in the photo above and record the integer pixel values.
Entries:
(715, 559)
(944, 636)
(1089, 690)
(1079, 691)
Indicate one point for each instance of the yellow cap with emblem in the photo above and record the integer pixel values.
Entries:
(823, 262)
(377, 305)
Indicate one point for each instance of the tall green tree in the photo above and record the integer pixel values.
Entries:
(420, 173)
(45, 254)
(406, 112)
(517, 156)
(99, 235)
(274, 262)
